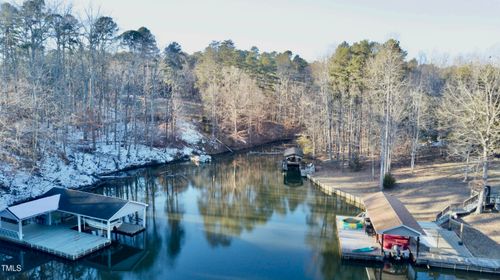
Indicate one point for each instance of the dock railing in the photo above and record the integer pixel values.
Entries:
(464, 207)
(330, 190)
(447, 209)
(470, 201)
(9, 233)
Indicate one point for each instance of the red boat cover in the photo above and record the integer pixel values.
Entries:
(390, 240)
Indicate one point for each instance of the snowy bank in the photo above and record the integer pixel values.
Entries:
(79, 169)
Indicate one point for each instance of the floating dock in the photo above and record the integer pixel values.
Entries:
(55, 221)
(352, 239)
(58, 240)
(447, 253)
(459, 263)
(129, 229)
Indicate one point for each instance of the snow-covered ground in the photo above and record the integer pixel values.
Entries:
(83, 169)
(188, 133)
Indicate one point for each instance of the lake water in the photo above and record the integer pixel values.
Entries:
(231, 219)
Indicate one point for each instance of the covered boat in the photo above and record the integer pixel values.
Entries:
(292, 157)
(102, 225)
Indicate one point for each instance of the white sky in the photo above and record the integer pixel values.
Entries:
(312, 28)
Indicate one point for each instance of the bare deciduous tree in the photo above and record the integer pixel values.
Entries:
(385, 72)
(471, 107)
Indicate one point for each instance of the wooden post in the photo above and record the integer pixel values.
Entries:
(79, 223)
(21, 258)
(461, 233)
(109, 259)
(418, 244)
(382, 245)
(49, 218)
(20, 230)
(109, 230)
(144, 217)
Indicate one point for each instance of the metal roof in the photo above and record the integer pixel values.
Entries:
(32, 208)
(389, 216)
(293, 151)
(5, 213)
(87, 204)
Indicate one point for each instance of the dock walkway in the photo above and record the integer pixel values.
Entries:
(447, 253)
(446, 242)
(59, 240)
(352, 239)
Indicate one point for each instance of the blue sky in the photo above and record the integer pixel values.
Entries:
(313, 28)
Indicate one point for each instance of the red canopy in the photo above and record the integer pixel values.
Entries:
(391, 240)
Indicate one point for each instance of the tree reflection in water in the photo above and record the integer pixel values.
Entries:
(173, 185)
(242, 193)
(322, 237)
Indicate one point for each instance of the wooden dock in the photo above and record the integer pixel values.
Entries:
(59, 240)
(459, 263)
(447, 253)
(352, 239)
(129, 229)
(349, 198)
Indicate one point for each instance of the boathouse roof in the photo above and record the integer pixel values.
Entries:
(74, 202)
(91, 204)
(31, 208)
(293, 151)
(87, 204)
(389, 216)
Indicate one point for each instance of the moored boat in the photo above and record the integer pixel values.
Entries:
(292, 157)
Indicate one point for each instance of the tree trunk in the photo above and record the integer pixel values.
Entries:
(382, 163)
(481, 199)
(330, 127)
(467, 161)
(384, 169)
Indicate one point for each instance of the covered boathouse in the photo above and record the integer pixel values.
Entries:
(392, 222)
(69, 223)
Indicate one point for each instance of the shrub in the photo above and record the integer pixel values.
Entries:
(355, 164)
(306, 144)
(389, 181)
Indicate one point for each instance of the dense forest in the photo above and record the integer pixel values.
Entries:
(72, 80)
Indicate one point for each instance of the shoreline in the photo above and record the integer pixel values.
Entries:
(177, 155)
(425, 192)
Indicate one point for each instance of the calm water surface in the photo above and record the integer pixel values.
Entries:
(232, 219)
